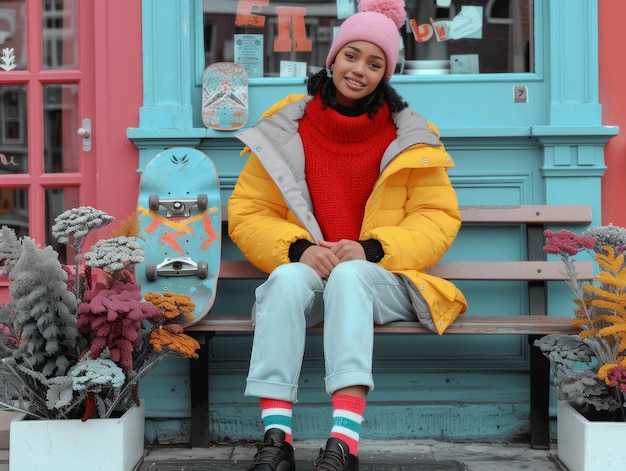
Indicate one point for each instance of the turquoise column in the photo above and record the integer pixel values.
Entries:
(573, 139)
(168, 42)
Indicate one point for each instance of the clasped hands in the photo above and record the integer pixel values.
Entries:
(327, 255)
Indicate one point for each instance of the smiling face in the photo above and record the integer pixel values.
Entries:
(358, 69)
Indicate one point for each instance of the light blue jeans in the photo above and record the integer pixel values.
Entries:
(357, 295)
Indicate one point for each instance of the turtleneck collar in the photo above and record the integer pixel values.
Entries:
(338, 126)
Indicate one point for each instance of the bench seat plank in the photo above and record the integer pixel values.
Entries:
(469, 270)
(465, 324)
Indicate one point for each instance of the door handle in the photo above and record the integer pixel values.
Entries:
(85, 133)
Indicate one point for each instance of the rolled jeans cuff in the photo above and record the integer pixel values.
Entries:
(341, 380)
(272, 390)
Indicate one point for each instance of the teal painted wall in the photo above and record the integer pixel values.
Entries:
(549, 150)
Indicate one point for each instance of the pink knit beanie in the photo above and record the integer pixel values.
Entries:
(377, 21)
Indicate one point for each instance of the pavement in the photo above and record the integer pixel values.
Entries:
(374, 455)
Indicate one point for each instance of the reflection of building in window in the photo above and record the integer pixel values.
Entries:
(14, 210)
(59, 43)
(499, 11)
(53, 148)
(12, 116)
(7, 24)
(13, 35)
(504, 44)
(13, 130)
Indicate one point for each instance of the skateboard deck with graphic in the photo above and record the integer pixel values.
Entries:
(225, 96)
(179, 213)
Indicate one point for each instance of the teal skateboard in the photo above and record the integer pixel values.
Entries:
(179, 212)
(225, 96)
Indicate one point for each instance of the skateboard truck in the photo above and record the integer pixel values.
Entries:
(182, 266)
(178, 207)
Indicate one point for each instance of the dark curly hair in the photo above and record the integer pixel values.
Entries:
(319, 82)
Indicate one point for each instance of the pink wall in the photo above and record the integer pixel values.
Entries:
(119, 95)
(613, 99)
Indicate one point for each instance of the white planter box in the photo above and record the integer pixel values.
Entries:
(589, 446)
(72, 445)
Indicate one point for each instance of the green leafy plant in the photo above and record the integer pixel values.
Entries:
(73, 348)
(590, 368)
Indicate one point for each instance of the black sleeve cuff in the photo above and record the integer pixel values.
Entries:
(373, 250)
(297, 249)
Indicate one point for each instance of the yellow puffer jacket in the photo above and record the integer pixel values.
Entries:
(412, 211)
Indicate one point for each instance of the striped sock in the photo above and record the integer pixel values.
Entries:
(347, 418)
(277, 414)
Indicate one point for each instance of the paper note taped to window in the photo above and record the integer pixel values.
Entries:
(292, 69)
(468, 22)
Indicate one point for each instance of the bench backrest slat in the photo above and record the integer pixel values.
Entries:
(525, 214)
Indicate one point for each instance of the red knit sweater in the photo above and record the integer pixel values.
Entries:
(342, 163)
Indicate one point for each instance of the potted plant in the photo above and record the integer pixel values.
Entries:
(590, 368)
(73, 349)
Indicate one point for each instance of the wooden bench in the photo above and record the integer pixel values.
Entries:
(535, 323)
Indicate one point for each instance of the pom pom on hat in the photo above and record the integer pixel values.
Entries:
(392, 9)
(377, 21)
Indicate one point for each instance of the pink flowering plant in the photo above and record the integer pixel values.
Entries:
(71, 347)
(590, 368)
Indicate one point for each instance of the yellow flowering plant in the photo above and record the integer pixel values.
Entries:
(71, 347)
(590, 368)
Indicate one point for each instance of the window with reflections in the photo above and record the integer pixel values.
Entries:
(39, 114)
(13, 130)
(60, 112)
(59, 33)
(14, 210)
(286, 38)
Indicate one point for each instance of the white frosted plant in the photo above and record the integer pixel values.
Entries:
(95, 374)
(10, 249)
(72, 227)
(115, 254)
(609, 235)
(44, 311)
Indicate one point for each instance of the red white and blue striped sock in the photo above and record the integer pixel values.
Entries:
(347, 418)
(277, 414)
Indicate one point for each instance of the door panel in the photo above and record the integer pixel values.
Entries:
(46, 91)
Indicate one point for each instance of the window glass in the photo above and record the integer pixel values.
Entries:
(287, 38)
(14, 210)
(60, 113)
(59, 34)
(13, 130)
(13, 52)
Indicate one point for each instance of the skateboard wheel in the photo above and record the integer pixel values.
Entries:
(153, 202)
(203, 201)
(203, 269)
(151, 271)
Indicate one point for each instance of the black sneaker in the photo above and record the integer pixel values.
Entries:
(336, 457)
(274, 454)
